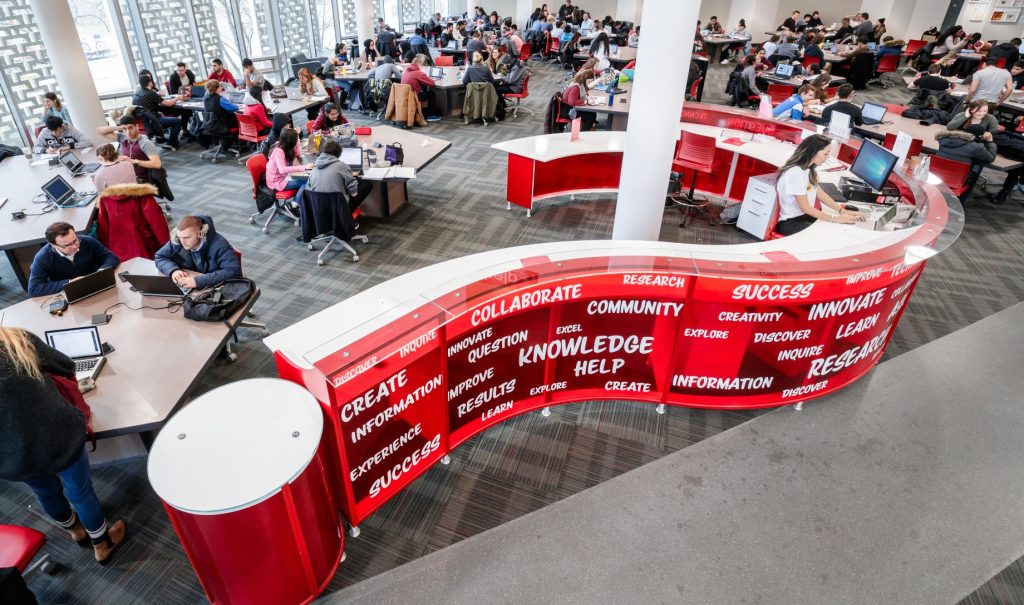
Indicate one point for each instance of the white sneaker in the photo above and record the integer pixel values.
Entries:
(725, 61)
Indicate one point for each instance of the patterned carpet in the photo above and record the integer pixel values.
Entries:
(521, 465)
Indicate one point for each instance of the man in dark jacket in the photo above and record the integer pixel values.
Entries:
(196, 246)
(1007, 50)
(331, 175)
(66, 256)
(971, 145)
(843, 105)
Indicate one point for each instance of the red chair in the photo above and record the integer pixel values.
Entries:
(695, 88)
(915, 145)
(554, 46)
(696, 152)
(950, 172)
(19, 545)
(630, 65)
(38, 130)
(831, 91)
(257, 166)
(444, 61)
(809, 61)
(780, 92)
(519, 97)
(1001, 62)
(887, 65)
(525, 52)
(912, 47)
(249, 131)
(895, 109)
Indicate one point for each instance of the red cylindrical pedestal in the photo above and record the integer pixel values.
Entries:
(241, 475)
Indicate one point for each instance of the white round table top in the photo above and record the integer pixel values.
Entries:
(235, 446)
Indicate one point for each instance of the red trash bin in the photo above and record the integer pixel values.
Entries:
(240, 471)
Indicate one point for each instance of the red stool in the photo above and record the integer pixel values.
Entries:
(19, 545)
(696, 152)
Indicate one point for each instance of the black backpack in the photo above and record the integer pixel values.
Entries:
(220, 302)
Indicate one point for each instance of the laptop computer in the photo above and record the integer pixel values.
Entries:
(452, 45)
(87, 285)
(293, 93)
(82, 345)
(198, 92)
(613, 49)
(353, 157)
(872, 113)
(75, 165)
(154, 285)
(59, 192)
(784, 70)
(436, 73)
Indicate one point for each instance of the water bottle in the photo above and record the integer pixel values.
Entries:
(611, 97)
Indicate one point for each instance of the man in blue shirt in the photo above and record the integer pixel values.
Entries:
(66, 256)
(196, 246)
(793, 107)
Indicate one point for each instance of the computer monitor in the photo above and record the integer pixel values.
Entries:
(452, 44)
(784, 70)
(873, 165)
(58, 190)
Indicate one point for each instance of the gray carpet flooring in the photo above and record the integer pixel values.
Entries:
(520, 465)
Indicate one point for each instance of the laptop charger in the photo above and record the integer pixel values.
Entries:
(19, 214)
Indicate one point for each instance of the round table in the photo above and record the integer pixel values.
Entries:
(241, 474)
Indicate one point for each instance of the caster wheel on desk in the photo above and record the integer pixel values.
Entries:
(353, 532)
(310, 247)
(232, 357)
(252, 220)
(320, 263)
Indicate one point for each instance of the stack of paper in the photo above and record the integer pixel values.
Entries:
(392, 172)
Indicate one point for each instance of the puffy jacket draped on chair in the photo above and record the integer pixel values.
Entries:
(130, 222)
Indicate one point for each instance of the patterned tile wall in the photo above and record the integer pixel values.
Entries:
(255, 27)
(210, 39)
(133, 39)
(347, 10)
(164, 24)
(25, 63)
(295, 27)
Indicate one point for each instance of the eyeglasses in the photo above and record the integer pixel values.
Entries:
(68, 245)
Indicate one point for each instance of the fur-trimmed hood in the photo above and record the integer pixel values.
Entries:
(966, 137)
(129, 190)
(893, 44)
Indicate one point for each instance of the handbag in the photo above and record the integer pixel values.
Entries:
(220, 302)
(394, 153)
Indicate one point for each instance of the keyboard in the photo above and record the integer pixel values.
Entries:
(833, 192)
(86, 365)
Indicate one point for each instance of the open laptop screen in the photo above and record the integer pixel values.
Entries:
(784, 70)
(353, 156)
(57, 189)
(76, 343)
(872, 112)
(70, 160)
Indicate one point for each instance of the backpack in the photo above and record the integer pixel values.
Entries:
(218, 303)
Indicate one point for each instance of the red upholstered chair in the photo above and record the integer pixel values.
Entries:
(950, 172)
(444, 61)
(695, 88)
(19, 545)
(249, 131)
(887, 65)
(831, 91)
(309, 127)
(809, 61)
(696, 152)
(38, 130)
(912, 47)
(524, 53)
(257, 166)
(519, 97)
(915, 145)
(780, 92)
(554, 46)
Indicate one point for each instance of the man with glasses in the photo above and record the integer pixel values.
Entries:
(66, 256)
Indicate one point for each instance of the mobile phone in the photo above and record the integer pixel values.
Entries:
(100, 319)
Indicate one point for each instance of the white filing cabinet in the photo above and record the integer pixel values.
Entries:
(758, 205)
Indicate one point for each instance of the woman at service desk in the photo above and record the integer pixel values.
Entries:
(968, 138)
(43, 441)
(797, 186)
(53, 107)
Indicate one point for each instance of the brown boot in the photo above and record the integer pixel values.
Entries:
(104, 549)
(78, 534)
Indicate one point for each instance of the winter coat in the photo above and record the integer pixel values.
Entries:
(215, 258)
(130, 223)
(481, 101)
(962, 147)
(404, 106)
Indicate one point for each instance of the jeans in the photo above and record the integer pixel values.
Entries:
(75, 482)
(175, 125)
(365, 188)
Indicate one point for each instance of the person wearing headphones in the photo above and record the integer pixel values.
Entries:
(196, 247)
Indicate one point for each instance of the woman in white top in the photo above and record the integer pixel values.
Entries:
(797, 186)
(599, 50)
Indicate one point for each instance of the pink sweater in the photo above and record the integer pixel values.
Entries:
(278, 170)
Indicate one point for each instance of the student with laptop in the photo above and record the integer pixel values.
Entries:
(59, 136)
(114, 169)
(150, 100)
(196, 246)
(66, 256)
(220, 74)
(843, 105)
(333, 174)
(43, 441)
(182, 79)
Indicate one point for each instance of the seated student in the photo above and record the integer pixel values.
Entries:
(332, 175)
(251, 77)
(386, 42)
(761, 62)
(793, 107)
(370, 52)
(66, 256)
(513, 82)
(181, 78)
(574, 95)
(58, 136)
(1017, 73)
(311, 86)
(788, 48)
(969, 138)
(771, 47)
(815, 20)
(330, 116)
(387, 70)
(492, 25)
(515, 39)
(476, 45)
(813, 48)
(150, 100)
(114, 169)
(566, 34)
(889, 46)
(600, 49)
(53, 107)
(285, 158)
(714, 27)
(448, 35)
(797, 186)
(478, 71)
(931, 80)
(281, 121)
(417, 39)
(633, 41)
(1007, 50)
(843, 105)
(790, 23)
(498, 61)
(221, 122)
(196, 246)
(134, 146)
(434, 24)
(405, 52)
(252, 105)
(421, 83)
(220, 74)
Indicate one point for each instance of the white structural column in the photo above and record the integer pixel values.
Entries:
(654, 111)
(470, 5)
(628, 10)
(60, 37)
(523, 10)
(364, 21)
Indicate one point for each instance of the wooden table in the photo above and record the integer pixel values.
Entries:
(618, 113)
(20, 239)
(798, 81)
(623, 55)
(158, 356)
(716, 42)
(288, 106)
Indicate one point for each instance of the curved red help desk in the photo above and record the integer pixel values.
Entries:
(411, 368)
(241, 473)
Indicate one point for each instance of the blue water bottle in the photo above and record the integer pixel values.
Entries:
(611, 97)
